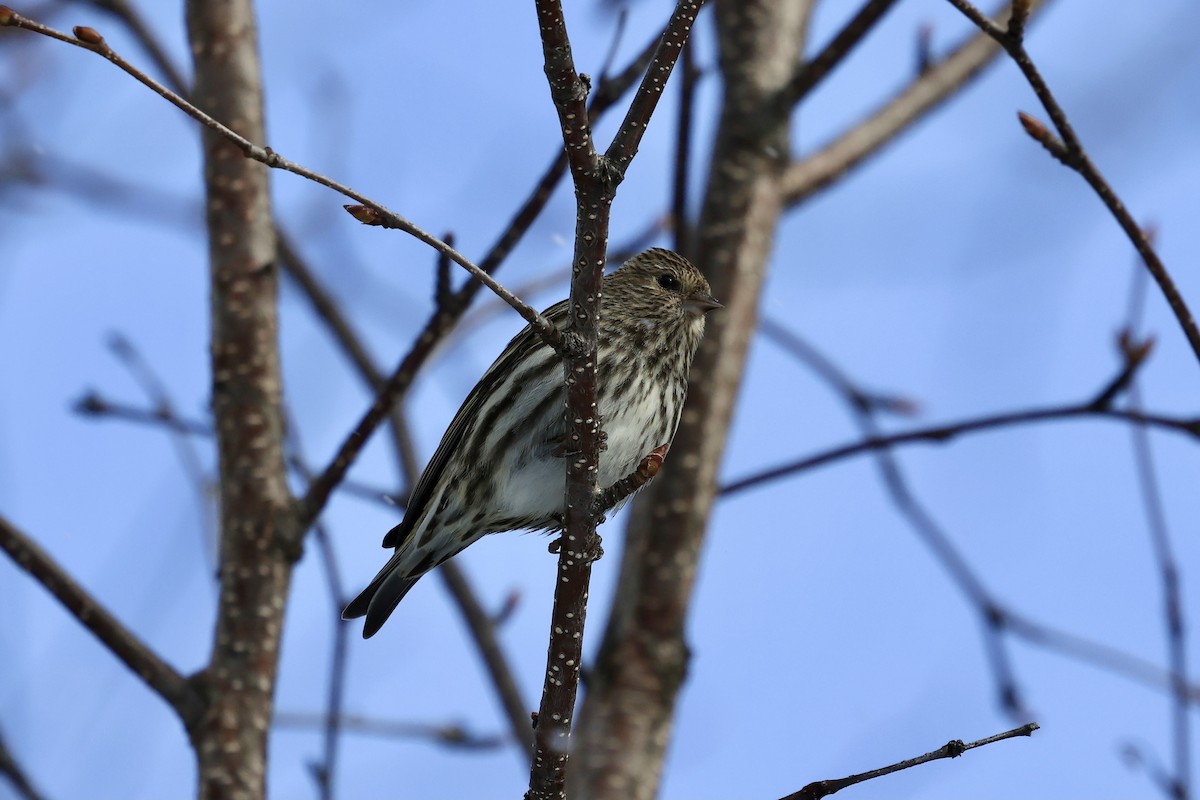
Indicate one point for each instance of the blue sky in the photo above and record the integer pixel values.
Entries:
(963, 268)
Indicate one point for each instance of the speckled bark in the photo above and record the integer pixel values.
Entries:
(256, 513)
(625, 722)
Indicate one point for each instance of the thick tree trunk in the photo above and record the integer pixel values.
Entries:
(258, 536)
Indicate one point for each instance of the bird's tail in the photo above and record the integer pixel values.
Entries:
(379, 600)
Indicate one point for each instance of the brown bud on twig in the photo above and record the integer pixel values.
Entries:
(7, 16)
(1043, 136)
(88, 36)
(364, 214)
(1133, 351)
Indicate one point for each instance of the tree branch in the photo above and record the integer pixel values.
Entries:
(454, 736)
(816, 69)
(10, 769)
(595, 182)
(160, 676)
(952, 749)
(1012, 39)
(366, 211)
(932, 86)
(941, 434)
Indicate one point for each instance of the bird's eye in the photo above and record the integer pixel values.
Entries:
(668, 282)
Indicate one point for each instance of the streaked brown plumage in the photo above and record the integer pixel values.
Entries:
(500, 464)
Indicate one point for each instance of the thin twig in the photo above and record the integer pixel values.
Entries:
(808, 355)
(1098, 654)
(164, 406)
(816, 69)
(325, 771)
(10, 769)
(93, 404)
(454, 736)
(689, 80)
(919, 517)
(483, 632)
(160, 676)
(940, 434)
(938, 82)
(624, 145)
(366, 211)
(1011, 38)
(1180, 783)
(952, 749)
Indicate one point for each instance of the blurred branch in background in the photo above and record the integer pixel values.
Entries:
(936, 81)
(996, 619)
(453, 735)
(16, 777)
(176, 690)
(1177, 786)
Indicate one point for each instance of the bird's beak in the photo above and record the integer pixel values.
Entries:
(699, 304)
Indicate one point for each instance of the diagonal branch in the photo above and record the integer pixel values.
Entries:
(160, 676)
(595, 180)
(934, 85)
(12, 771)
(368, 211)
(816, 69)
(941, 434)
(952, 749)
(1074, 156)
(624, 145)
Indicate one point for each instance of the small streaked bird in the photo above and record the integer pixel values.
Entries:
(500, 465)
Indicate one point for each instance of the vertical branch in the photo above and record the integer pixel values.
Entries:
(596, 179)
(683, 152)
(1179, 784)
(625, 722)
(256, 509)
(593, 198)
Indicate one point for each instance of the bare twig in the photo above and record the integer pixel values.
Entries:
(11, 770)
(483, 632)
(1179, 785)
(936, 83)
(1097, 654)
(922, 521)
(1072, 154)
(366, 210)
(160, 676)
(689, 80)
(193, 465)
(325, 770)
(453, 736)
(816, 69)
(832, 374)
(952, 749)
(942, 433)
(93, 404)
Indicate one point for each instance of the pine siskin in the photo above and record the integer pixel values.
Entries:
(500, 464)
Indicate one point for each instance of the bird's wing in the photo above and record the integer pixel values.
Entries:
(452, 439)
